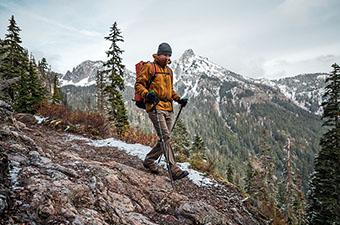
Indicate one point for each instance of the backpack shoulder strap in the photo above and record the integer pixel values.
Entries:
(153, 76)
(171, 73)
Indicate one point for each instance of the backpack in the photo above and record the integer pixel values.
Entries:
(139, 100)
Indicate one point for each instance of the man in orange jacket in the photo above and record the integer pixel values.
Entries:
(159, 105)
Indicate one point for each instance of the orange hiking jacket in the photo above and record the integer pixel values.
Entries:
(162, 85)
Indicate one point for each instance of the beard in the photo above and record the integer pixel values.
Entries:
(163, 62)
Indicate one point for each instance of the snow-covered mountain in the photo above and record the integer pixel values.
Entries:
(305, 90)
(190, 67)
(82, 75)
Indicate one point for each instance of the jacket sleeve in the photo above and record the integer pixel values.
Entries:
(142, 80)
(175, 97)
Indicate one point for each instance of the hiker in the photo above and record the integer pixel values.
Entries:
(159, 99)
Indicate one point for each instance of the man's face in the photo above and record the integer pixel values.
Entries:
(164, 57)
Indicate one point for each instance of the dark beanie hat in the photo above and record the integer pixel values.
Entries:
(164, 49)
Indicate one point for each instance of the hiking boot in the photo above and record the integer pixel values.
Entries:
(178, 174)
(152, 167)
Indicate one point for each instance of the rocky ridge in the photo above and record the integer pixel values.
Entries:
(48, 178)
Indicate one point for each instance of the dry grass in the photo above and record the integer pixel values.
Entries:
(90, 124)
(86, 123)
(132, 135)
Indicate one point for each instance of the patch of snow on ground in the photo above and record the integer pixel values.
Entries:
(72, 137)
(40, 119)
(140, 151)
(196, 177)
(13, 173)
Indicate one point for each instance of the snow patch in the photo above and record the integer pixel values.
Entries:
(40, 119)
(13, 173)
(140, 151)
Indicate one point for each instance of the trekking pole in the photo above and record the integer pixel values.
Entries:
(164, 151)
(173, 126)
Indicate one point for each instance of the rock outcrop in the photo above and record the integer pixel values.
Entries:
(47, 178)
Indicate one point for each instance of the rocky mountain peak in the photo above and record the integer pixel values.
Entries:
(305, 90)
(84, 73)
(189, 53)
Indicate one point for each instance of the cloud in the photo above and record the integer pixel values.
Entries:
(282, 68)
(327, 58)
(266, 38)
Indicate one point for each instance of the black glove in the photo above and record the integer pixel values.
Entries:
(152, 98)
(183, 102)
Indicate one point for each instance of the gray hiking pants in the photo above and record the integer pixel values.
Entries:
(162, 121)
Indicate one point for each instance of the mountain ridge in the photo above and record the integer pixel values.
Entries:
(310, 100)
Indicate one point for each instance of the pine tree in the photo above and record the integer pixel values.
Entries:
(13, 61)
(292, 197)
(181, 143)
(30, 92)
(43, 68)
(37, 90)
(261, 182)
(324, 193)
(197, 154)
(268, 163)
(113, 74)
(56, 98)
(198, 147)
(100, 95)
(230, 173)
(2, 96)
(255, 181)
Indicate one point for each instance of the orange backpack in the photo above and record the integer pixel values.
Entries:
(139, 100)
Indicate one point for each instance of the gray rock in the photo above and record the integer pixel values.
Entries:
(201, 213)
(139, 219)
(26, 118)
(4, 105)
(6, 112)
(3, 203)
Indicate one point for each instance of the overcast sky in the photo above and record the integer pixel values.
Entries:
(258, 38)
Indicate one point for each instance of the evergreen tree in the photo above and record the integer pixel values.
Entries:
(113, 74)
(263, 177)
(30, 92)
(230, 173)
(37, 89)
(198, 147)
(43, 68)
(291, 194)
(269, 178)
(13, 61)
(100, 95)
(2, 96)
(181, 143)
(57, 97)
(197, 154)
(261, 182)
(324, 194)
(254, 180)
